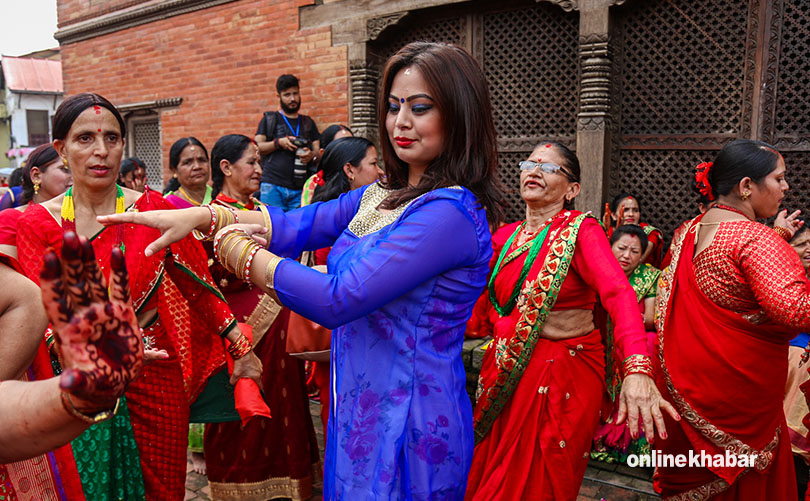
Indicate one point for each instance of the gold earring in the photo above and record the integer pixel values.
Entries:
(36, 186)
(64, 162)
(744, 195)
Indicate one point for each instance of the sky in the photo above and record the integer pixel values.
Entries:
(28, 26)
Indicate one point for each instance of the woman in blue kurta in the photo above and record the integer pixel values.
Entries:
(409, 258)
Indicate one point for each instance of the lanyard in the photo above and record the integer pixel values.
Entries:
(297, 126)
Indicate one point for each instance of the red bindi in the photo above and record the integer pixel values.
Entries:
(98, 110)
(548, 145)
(99, 130)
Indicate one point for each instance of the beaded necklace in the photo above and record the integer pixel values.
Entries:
(732, 209)
(506, 257)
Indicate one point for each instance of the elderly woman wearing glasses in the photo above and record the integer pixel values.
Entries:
(543, 377)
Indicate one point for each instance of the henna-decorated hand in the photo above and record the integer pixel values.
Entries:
(607, 220)
(97, 334)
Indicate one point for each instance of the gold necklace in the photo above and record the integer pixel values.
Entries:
(188, 197)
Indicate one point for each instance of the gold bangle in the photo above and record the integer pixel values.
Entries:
(242, 254)
(232, 239)
(71, 409)
(783, 232)
(638, 364)
(245, 256)
(268, 223)
(270, 271)
(239, 347)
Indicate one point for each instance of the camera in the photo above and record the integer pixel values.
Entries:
(300, 168)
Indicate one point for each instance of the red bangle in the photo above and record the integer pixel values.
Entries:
(783, 232)
(638, 364)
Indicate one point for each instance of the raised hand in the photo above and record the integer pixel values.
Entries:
(97, 333)
(173, 224)
(790, 222)
(606, 217)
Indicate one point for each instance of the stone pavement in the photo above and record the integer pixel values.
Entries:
(602, 481)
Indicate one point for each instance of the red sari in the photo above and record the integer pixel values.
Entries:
(191, 317)
(265, 458)
(727, 315)
(534, 431)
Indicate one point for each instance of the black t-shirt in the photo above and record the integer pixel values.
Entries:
(277, 167)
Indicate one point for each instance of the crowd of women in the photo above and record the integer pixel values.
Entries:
(596, 351)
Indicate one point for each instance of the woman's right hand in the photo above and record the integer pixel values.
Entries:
(174, 225)
(249, 367)
(96, 331)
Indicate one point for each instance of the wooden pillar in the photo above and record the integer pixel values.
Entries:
(594, 125)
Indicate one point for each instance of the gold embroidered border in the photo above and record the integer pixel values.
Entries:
(715, 435)
(276, 487)
(262, 317)
(368, 219)
(702, 493)
(535, 307)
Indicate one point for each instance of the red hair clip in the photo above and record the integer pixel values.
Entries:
(702, 179)
(319, 178)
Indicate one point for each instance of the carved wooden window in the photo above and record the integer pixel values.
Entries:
(145, 144)
(786, 96)
(528, 52)
(684, 76)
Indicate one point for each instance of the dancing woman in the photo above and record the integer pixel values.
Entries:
(408, 260)
(734, 296)
(543, 378)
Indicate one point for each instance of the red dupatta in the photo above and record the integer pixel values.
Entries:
(714, 363)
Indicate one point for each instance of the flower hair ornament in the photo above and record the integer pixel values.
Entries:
(702, 179)
(319, 178)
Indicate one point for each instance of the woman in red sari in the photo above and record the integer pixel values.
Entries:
(141, 452)
(265, 458)
(626, 209)
(730, 302)
(542, 381)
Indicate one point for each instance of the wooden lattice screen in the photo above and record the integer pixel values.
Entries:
(529, 54)
(787, 97)
(682, 77)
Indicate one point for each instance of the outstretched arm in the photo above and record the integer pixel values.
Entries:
(22, 323)
(100, 347)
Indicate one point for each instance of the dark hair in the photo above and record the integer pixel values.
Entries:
(129, 165)
(15, 179)
(72, 107)
(461, 96)
(570, 162)
(336, 155)
(41, 158)
(802, 228)
(614, 204)
(632, 230)
(286, 81)
(174, 159)
(329, 133)
(230, 148)
(739, 159)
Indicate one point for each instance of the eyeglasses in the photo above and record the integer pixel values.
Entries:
(547, 167)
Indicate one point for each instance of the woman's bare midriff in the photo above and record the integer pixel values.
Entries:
(566, 324)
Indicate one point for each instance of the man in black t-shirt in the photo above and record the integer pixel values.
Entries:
(285, 164)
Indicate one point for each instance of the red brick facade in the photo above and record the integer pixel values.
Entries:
(223, 61)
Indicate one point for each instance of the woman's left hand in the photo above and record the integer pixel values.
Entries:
(640, 397)
(249, 367)
(792, 223)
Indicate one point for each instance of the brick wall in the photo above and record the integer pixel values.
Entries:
(223, 61)
(74, 11)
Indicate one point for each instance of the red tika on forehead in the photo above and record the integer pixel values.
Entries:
(98, 110)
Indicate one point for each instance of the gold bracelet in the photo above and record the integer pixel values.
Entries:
(270, 271)
(240, 347)
(71, 409)
(638, 364)
(220, 238)
(226, 252)
(783, 232)
(268, 223)
(242, 255)
(211, 230)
